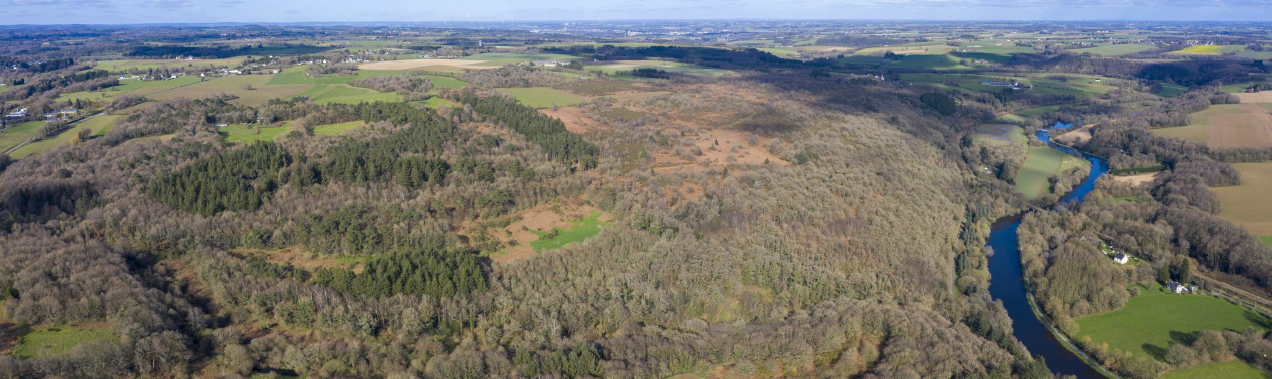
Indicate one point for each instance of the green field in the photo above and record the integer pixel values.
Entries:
(437, 102)
(579, 230)
(445, 82)
(1000, 135)
(249, 134)
(1199, 130)
(147, 64)
(259, 92)
(1080, 86)
(504, 59)
(1234, 369)
(543, 97)
(1039, 111)
(297, 75)
(1042, 163)
(1267, 240)
(18, 134)
(1209, 49)
(1171, 90)
(345, 94)
(1150, 322)
(340, 128)
(96, 124)
(130, 87)
(60, 339)
(1119, 49)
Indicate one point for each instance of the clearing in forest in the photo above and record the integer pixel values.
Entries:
(1042, 163)
(53, 340)
(1248, 204)
(250, 134)
(545, 227)
(1150, 322)
(543, 97)
(330, 129)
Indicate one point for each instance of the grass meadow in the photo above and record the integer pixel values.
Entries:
(250, 134)
(1150, 322)
(1032, 181)
(18, 134)
(1233, 369)
(54, 340)
(1249, 204)
(1118, 49)
(332, 129)
(97, 125)
(346, 94)
(578, 231)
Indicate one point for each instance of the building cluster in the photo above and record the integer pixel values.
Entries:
(1180, 288)
(20, 113)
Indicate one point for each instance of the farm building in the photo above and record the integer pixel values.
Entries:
(1121, 258)
(1177, 287)
(17, 114)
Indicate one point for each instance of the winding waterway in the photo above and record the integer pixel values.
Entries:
(1007, 282)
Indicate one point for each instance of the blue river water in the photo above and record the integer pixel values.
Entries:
(1007, 282)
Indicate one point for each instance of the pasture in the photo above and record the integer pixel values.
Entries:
(1042, 162)
(1077, 86)
(332, 129)
(543, 97)
(437, 102)
(1199, 130)
(147, 64)
(131, 87)
(1233, 369)
(298, 75)
(445, 82)
(614, 67)
(1000, 135)
(434, 64)
(259, 93)
(345, 94)
(1118, 49)
(248, 134)
(53, 340)
(1209, 49)
(1248, 204)
(504, 59)
(97, 124)
(17, 134)
(1150, 322)
(1171, 90)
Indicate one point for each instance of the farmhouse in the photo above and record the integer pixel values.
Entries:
(17, 114)
(1121, 258)
(1179, 288)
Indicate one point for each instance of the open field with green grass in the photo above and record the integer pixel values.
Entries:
(614, 67)
(1000, 135)
(504, 59)
(1150, 322)
(259, 92)
(543, 97)
(1171, 90)
(445, 82)
(97, 125)
(1042, 163)
(1199, 130)
(147, 64)
(578, 231)
(437, 102)
(251, 134)
(330, 129)
(1233, 369)
(1249, 204)
(18, 134)
(346, 94)
(131, 87)
(1118, 49)
(1077, 86)
(53, 340)
(298, 75)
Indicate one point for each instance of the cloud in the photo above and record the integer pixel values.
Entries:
(95, 3)
(168, 3)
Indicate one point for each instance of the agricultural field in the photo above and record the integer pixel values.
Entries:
(1118, 49)
(18, 134)
(249, 134)
(53, 340)
(1150, 322)
(1227, 125)
(1042, 163)
(147, 64)
(1209, 49)
(922, 48)
(543, 97)
(131, 87)
(1000, 135)
(430, 64)
(614, 67)
(1249, 204)
(298, 75)
(1077, 86)
(504, 59)
(346, 94)
(1233, 369)
(445, 82)
(332, 129)
(259, 92)
(1171, 90)
(97, 124)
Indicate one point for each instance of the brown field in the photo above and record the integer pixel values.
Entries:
(574, 119)
(410, 64)
(1077, 136)
(1135, 180)
(733, 147)
(1248, 204)
(1257, 97)
(636, 95)
(1252, 129)
(307, 261)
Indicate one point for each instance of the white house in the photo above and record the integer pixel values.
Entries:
(1177, 287)
(1121, 258)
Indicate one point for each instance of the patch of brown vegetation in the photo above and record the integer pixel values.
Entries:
(574, 118)
(296, 257)
(635, 95)
(1077, 136)
(1257, 97)
(1135, 180)
(729, 146)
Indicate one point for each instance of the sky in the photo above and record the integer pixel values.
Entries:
(204, 11)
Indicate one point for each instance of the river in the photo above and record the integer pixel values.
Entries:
(1007, 282)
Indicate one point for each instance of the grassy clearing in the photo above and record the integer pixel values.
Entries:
(250, 134)
(1032, 181)
(18, 134)
(1000, 135)
(97, 125)
(504, 59)
(445, 82)
(615, 67)
(1077, 85)
(543, 97)
(237, 85)
(437, 102)
(579, 230)
(340, 128)
(1150, 322)
(60, 339)
(1248, 204)
(1234, 369)
(1171, 90)
(345, 94)
(297, 75)
(1119, 49)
